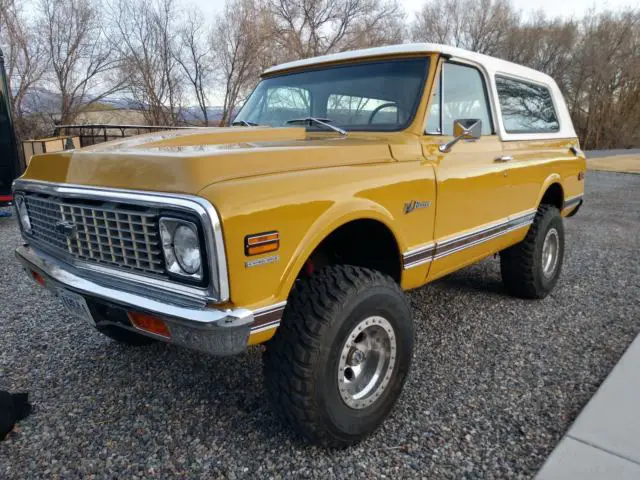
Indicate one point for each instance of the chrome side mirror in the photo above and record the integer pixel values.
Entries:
(463, 129)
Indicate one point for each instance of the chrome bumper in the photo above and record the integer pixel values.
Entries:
(214, 331)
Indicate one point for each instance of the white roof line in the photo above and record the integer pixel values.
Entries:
(491, 63)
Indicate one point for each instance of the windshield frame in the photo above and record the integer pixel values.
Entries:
(383, 128)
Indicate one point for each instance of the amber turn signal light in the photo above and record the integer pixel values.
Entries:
(149, 324)
(261, 243)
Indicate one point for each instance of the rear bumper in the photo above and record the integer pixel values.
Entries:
(211, 330)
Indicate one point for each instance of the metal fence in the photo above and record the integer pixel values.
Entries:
(97, 133)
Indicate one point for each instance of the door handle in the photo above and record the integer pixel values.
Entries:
(506, 158)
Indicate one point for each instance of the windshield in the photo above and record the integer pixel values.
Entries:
(379, 96)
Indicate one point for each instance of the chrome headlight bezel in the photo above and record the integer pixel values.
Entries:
(22, 213)
(168, 226)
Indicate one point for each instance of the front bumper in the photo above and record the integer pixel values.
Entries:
(211, 330)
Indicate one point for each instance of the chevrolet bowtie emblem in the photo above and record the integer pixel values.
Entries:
(65, 228)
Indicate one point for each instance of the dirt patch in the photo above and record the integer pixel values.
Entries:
(615, 163)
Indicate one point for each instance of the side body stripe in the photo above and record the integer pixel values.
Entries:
(267, 317)
(434, 251)
(572, 201)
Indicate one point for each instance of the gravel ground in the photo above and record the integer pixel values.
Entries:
(496, 381)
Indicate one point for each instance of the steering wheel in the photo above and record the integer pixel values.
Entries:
(380, 107)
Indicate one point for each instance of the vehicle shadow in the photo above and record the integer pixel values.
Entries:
(481, 278)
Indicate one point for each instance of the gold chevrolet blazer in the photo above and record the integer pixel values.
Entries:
(343, 181)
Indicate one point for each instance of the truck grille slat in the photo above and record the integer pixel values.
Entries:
(105, 234)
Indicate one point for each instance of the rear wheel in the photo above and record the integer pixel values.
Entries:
(531, 268)
(339, 360)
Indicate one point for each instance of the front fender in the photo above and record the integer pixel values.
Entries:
(305, 207)
(338, 215)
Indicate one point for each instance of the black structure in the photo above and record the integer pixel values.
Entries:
(10, 168)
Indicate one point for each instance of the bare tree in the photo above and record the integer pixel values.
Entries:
(386, 26)
(306, 28)
(144, 34)
(543, 44)
(478, 25)
(194, 57)
(604, 92)
(595, 62)
(239, 44)
(25, 57)
(80, 58)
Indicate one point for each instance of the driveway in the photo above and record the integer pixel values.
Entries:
(496, 381)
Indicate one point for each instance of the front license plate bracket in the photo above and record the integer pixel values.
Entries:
(76, 305)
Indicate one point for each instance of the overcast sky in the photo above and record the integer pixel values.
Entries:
(550, 7)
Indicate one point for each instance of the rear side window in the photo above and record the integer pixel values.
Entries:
(526, 107)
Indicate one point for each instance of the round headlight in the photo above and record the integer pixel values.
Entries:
(23, 214)
(187, 249)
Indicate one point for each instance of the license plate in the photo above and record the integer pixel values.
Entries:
(76, 305)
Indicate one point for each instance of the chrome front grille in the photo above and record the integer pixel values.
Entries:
(99, 232)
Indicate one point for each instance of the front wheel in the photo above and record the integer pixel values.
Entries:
(531, 268)
(339, 360)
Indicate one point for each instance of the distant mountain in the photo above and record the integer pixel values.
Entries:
(194, 114)
(39, 101)
(120, 103)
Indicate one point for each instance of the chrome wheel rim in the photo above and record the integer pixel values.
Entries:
(550, 250)
(366, 362)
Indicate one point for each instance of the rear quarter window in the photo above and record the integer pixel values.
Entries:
(526, 107)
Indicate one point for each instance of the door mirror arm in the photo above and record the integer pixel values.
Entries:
(463, 129)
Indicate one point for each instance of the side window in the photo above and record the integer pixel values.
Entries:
(526, 107)
(464, 96)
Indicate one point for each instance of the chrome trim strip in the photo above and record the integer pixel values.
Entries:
(483, 239)
(526, 213)
(264, 328)
(418, 262)
(267, 317)
(572, 201)
(270, 308)
(208, 215)
(430, 252)
(418, 256)
(198, 318)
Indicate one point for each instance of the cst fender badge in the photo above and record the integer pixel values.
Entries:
(415, 205)
(65, 228)
(262, 261)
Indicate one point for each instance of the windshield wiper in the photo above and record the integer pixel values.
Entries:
(243, 123)
(323, 122)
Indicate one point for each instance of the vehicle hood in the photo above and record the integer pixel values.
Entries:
(186, 161)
